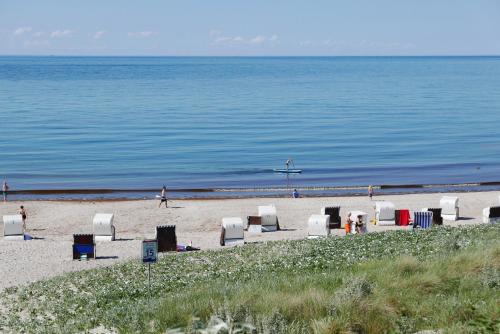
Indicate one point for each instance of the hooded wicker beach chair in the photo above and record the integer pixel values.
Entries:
(318, 226)
(167, 240)
(254, 224)
(491, 215)
(437, 219)
(385, 213)
(402, 217)
(232, 232)
(269, 219)
(422, 219)
(449, 206)
(103, 227)
(334, 213)
(83, 244)
(13, 227)
(354, 217)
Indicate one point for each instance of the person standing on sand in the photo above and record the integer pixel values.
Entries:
(5, 189)
(163, 197)
(24, 215)
(370, 192)
(359, 225)
(348, 224)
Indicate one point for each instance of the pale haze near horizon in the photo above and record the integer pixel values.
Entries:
(251, 28)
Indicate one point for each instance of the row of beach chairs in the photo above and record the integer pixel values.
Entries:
(84, 245)
(266, 221)
(320, 224)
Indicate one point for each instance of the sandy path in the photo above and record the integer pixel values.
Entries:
(196, 220)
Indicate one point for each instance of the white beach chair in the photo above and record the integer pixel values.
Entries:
(103, 227)
(13, 227)
(385, 213)
(491, 215)
(232, 231)
(318, 226)
(449, 207)
(269, 219)
(354, 217)
(254, 224)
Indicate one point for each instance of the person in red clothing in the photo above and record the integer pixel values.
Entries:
(348, 224)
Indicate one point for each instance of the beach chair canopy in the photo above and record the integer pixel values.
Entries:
(233, 228)
(402, 217)
(491, 215)
(354, 217)
(448, 204)
(268, 216)
(385, 211)
(268, 211)
(334, 213)
(437, 217)
(254, 224)
(13, 226)
(422, 219)
(103, 225)
(319, 225)
(167, 239)
(254, 220)
(83, 244)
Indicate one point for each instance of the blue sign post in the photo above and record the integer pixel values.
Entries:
(149, 255)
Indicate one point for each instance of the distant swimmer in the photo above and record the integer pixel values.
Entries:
(163, 197)
(5, 190)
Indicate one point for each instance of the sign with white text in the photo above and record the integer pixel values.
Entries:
(149, 250)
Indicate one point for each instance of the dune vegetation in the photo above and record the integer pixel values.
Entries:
(443, 279)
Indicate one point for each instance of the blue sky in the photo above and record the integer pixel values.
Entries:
(252, 27)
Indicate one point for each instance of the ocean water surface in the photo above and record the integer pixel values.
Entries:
(221, 122)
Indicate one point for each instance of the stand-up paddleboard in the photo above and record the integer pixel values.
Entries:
(287, 171)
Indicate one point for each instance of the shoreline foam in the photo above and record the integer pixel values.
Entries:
(246, 192)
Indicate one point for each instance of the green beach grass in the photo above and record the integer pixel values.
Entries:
(445, 279)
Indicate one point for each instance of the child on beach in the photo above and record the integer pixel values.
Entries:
(24, 215)
(295, 193)
(163, 197)
(5, 189)
(348, 224)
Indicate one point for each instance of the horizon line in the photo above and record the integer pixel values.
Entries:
(244, 56)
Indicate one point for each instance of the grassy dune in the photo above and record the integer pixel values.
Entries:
(396, 282)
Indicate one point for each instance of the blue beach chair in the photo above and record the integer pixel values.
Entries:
(422, 219)
(83, 244)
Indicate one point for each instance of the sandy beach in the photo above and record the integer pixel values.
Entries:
(53, 223)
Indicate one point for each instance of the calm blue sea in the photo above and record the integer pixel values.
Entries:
(141, 122)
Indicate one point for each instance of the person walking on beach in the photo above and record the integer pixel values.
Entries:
(5, 189)
(24, 215)
(370, 192)
(163, 197)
